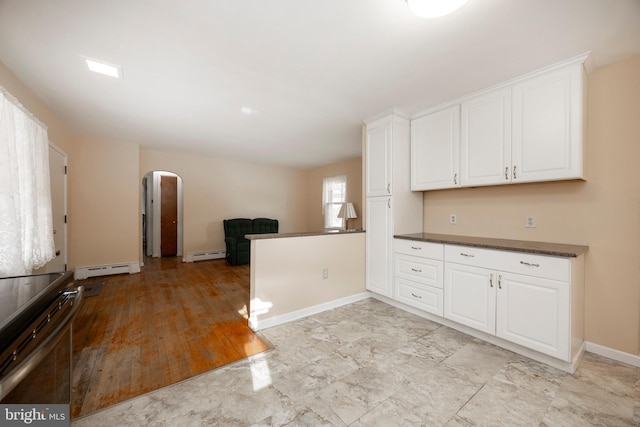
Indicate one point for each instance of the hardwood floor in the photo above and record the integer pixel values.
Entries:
(144, 331)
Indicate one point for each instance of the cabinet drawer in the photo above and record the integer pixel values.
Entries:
(424, 297)
(469, 255)
(547, 267)
(418, 248)
(423, 270)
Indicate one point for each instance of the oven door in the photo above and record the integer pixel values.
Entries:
(36, 367)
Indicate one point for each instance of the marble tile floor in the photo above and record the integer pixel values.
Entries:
(371, 364)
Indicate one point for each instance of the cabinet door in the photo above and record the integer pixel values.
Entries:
(547, 126)
(435, 149)
(485, 140)
(470, 296)
(534, 313)
(378, 158)
(379, 243)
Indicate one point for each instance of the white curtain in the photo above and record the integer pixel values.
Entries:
(26, 225)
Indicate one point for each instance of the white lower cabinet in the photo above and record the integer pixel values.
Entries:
(532, 310)
(418, 270)
(534, 301)
(470, 296)
(534, 313)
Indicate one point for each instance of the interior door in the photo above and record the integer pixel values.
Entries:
(57, 171)
(168, 215)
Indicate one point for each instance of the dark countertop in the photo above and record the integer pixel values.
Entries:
(541, 248)
(306, 234)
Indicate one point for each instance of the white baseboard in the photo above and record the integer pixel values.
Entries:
(611, 353)
(203, 255)
(81, 273)
(257, 325)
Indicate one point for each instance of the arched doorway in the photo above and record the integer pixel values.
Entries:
(162, 214)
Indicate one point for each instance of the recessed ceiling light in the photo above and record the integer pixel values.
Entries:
(248, 110)
(103, 68)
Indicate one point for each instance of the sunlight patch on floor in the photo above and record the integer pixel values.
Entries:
(260, 372)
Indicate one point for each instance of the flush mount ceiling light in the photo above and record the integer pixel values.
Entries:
(103, 68)
(434, 8)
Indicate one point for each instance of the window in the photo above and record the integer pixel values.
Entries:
(334, 194)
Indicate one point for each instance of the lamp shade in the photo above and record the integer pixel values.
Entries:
(347, 211)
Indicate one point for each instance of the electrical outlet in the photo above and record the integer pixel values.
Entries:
(530, 221)
(453, 219)
(325, 273)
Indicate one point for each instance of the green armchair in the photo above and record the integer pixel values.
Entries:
(235, 230)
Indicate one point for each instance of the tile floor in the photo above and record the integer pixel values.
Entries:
(371, 364)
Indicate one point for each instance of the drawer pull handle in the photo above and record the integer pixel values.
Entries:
(529, 264)
(389, 188)
(416, 248)
(416, 296)
(467, 255)
(506, 173)
(515, 175)
(455, 179)
(416, 270)
(499, 281)
(491, 280)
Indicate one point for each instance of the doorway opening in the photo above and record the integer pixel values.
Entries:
(162, 229)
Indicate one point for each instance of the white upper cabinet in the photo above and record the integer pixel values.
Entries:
(547, 126)
(435, 147)
(378, 158)
(529, 129)
(485, 142)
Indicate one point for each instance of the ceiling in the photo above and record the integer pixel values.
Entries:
(312, 70)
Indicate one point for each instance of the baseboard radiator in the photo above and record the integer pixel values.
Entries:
(204, 255)
(106, 270)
